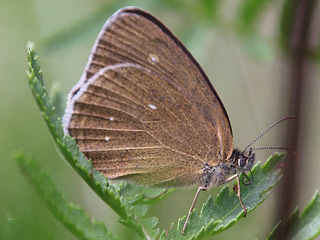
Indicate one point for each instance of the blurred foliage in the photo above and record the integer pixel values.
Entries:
(61, 28)
(287, 13)
(250, 11)
(245, 23)
(301, 227)
(78, 29)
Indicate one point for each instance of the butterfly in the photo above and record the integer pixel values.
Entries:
(144, 111)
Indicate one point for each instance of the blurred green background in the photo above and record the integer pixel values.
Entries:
(243, 51)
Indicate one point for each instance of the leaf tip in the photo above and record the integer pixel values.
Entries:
(30, 46)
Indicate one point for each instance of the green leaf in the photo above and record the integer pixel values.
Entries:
(301, 227)
(207, 9)
(275, 232)
(286, 22)
(250, 11)
(25, 228)
(109, 193)
(142, 195)
(57, 99)
(216, 216)
(71, 216)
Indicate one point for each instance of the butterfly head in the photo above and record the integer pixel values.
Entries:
(243, 162)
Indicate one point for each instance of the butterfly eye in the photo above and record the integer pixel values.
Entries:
(242, 162)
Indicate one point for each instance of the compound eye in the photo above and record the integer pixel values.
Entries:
(242, 162)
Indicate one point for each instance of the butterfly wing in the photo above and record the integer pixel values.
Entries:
(144, 110)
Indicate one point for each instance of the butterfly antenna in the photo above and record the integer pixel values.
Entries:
(277, 148)
(268, 129)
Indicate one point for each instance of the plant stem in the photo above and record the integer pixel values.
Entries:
(299, 80)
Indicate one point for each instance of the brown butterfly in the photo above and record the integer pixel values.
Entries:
(144, 111)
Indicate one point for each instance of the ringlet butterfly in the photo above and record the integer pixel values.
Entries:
(144, 111)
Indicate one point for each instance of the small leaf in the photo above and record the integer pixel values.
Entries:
(57, 99)
(72, 217)
(301, 227)
(216, 216)
(275, 232)
(142, 195)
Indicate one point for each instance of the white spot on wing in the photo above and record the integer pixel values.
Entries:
(152, 107)
(111, 118)
(152, 58)
(107, 139)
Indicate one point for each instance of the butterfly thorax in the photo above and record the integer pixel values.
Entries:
(238, 162)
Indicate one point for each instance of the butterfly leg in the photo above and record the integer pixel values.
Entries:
(238, 191)
(192, 206)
